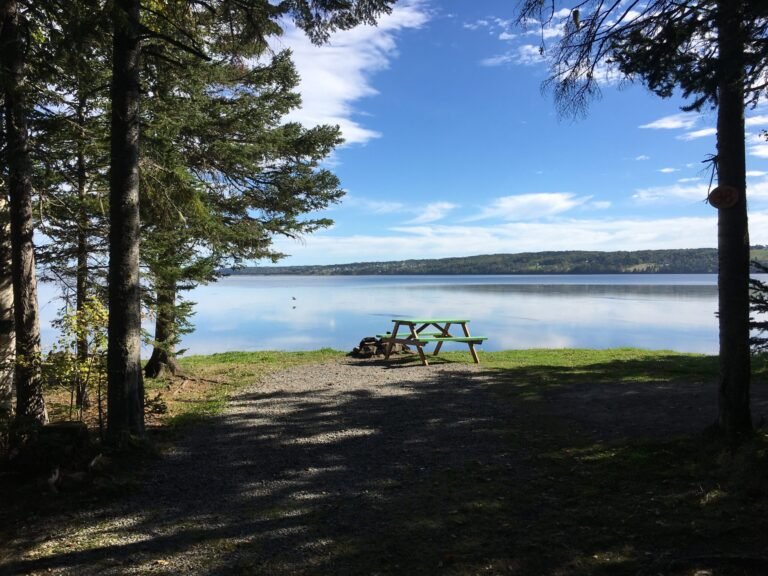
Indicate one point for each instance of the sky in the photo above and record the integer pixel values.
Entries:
(452, 149)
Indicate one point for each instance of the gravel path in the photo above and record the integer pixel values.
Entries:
(303, 471)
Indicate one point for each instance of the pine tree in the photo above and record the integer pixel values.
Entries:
(239, 22)
(222, 176)
(14, 49)
(125, 387)
(71, 144)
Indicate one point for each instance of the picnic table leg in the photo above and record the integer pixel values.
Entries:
(444, 333)
(419, 347)
(472, 350)
(421, 355)
(391, 340)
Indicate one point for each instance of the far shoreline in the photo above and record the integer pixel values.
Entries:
(639, 262)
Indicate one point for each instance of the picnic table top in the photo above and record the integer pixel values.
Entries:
(429, 320)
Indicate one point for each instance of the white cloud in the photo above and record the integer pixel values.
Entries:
(373, 206)
(477, 24)
(433, 212)
(642, 157)
(529, 206)
(492, 23)
(759, 150)
(526, 55)
(666, 194)
(337, 75)
(691, 179)
(570, 234)
(683, 120)
(601, 204)
(755, 173)
(760, 120)
(498, 60)
(704, 132)
(425, 213)
(548, 32)
(756, 190)
(668, 170)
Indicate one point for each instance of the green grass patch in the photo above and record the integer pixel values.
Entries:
(208, 381)
(537, 370)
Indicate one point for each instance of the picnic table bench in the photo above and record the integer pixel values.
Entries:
(416, 335)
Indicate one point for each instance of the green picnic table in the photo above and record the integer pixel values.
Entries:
(416, 332)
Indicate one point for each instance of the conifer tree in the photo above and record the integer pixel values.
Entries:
(238, 22)
(223, 175)
(16, 41)
(125, 387)
(71, 157)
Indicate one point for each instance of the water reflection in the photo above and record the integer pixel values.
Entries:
(299, 313)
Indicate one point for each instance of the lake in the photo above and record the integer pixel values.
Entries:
(675, 311)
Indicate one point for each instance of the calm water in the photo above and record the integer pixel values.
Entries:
(674, 312)
(301, 313)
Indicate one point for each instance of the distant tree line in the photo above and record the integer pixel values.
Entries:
(677, 261)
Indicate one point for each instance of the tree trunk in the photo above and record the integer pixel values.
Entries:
(125, 387)
(30, 406)
(733, 236)
(163, 353)
(7, 333)
(81, 274)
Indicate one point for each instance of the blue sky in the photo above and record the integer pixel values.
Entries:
(452, 150)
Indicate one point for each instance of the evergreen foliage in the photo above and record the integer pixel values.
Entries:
(221, 174)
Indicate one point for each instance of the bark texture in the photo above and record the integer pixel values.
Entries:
(125, 394)
(733, 236)
(81, 275)
(30, 407)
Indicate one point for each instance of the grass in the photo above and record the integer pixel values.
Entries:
(213, 378)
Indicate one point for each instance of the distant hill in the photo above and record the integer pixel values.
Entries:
(688, 261)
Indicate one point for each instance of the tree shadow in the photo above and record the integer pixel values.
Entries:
(445, 471)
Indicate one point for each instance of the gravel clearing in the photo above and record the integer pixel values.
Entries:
(301, 471)
(360, 467)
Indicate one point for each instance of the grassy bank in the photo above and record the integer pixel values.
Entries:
(207, 380)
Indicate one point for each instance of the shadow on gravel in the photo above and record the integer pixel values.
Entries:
(449, 472)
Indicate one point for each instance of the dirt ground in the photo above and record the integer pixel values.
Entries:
(364, 467)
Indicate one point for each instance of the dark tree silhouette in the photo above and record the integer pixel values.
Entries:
(30, 406)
